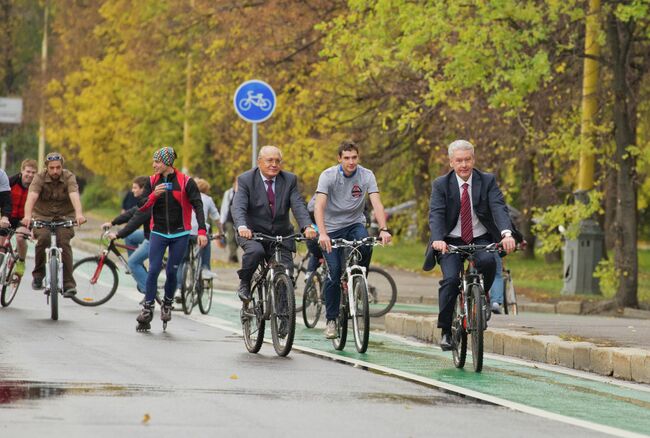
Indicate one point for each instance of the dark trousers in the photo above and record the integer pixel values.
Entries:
(157, 246)
(254, 253)
(452, 265)
(63, 238)
(336, 264)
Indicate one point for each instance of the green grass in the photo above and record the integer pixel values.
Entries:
(536, 278)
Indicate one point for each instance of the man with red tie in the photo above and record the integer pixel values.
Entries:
(261, 204)
(466, 207)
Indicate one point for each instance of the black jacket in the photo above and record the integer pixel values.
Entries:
(134, 218)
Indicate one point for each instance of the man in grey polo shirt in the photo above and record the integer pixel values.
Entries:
(340, 201)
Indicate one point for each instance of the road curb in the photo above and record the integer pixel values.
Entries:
(622, 363)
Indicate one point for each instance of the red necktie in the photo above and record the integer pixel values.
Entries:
(466, 216)
(271, 195)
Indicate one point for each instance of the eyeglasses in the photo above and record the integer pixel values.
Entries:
(53, 158)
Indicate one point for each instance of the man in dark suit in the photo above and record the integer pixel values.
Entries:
(466, 207)
(261, 205)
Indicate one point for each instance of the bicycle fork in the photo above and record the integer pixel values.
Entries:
(351, 301)
(53, 251)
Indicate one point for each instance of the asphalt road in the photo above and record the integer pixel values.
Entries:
(91, 374)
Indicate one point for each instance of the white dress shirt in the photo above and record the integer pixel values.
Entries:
(478, 229)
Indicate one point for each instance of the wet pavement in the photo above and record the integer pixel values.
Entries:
(91, 374)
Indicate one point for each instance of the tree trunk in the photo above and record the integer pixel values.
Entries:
(610, 208)
(422, 184)
(619, 37)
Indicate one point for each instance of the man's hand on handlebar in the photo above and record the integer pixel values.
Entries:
(508, 244)
(112, 236)
(385, 237)
(4, 222)
(106, 226)
(310, 233)
(80, 219)
(26, 221)
(245, 233)
(440, 245)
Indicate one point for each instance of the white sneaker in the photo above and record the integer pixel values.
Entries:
(496, 308)
(330, 330)
(308, 274)
(208, 274)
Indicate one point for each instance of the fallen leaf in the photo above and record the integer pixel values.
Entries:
(146, 418)
(233, 377)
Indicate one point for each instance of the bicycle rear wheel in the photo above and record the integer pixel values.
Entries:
(509, 295)
(10, 285)
(54, 289)
(283, 317)
(252, 320)
(298, 278)
(361, 320)
(477, 325)
(382, 291)
(342, 323)
(188, 293)
(458, 334)
(311, 302)
(97, 280)
(205, 295)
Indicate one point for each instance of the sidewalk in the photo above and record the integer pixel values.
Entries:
(554, 333)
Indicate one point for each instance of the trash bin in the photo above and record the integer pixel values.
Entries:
(581, 256)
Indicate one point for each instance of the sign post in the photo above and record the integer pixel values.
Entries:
(254, 102)
(11, 110)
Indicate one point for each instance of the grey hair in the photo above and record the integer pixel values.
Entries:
(462, 145)
(268, 148)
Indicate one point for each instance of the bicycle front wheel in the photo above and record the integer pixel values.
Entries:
(283, 317)
(361, 319)
(252, 320)
(458, 334)
(477, 325)
(382, 291)
(97, 280)
(187, 288)
(311, 302)
(205, 296)
(54, 288)
(10, 285)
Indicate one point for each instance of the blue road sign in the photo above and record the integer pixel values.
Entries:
(254, 101)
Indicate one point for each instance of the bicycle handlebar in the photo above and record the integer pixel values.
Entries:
(298, 237)
(69, 223)
(366, 241)
(472, 249)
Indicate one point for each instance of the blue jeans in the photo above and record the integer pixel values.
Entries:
(158, 245)
(496, 292)
(206, 255)
(336, 264)
(136, 265)
(134, 239)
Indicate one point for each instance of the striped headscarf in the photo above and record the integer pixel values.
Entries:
(166, 155)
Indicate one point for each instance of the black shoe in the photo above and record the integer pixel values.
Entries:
(233, 259)
(446, 342)
(244, 291)
(37, 283)
(70, 292)
(283, 330)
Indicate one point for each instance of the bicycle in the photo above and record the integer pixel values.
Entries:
(382, 292)
(100, 273)
(471, 310)
(53, 264)
(509, 293)
(354, 289)
(273, 298)
(9, 279)
(194, 288)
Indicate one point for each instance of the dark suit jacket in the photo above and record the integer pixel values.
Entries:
(250, 206)
(444, 209)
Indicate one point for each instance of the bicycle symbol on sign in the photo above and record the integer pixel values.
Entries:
(257, 100)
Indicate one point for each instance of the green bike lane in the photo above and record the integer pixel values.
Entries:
(511, 383)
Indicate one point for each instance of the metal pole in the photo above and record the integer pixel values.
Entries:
(41, 129)
(3, 156)
(254, 157)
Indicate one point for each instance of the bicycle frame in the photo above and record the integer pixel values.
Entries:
(470, 277)
(110, 248)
